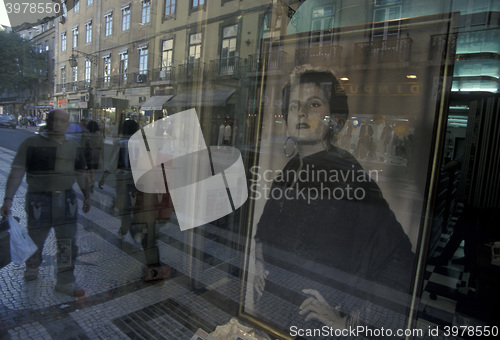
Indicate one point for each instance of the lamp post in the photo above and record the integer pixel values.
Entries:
(73, 62)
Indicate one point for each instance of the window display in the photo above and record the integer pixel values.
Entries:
(265, 169)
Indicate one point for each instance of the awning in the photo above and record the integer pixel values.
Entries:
(155, 103)
(204, 98)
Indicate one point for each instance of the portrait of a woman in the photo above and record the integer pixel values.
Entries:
(329, 250)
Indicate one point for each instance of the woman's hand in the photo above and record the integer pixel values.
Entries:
(261, 272)
(260, 278)
(6, 207)
(315, 307)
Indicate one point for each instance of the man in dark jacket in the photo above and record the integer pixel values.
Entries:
(52, 163)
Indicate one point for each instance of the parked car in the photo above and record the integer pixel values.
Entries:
(7, 121)
(41, 127)
(74, 131)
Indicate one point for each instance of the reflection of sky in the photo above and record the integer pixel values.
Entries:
(4, 18)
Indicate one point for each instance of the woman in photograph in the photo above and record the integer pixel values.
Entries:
(326, 234)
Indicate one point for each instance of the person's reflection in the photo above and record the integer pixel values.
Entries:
(327, 240)
(93, 150)
(118, 163)
(138, 211)
(52, 163)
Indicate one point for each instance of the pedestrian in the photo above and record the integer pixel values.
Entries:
(52, 163)
(118, 163)
(93, 150)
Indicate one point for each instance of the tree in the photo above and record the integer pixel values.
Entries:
(21, 65)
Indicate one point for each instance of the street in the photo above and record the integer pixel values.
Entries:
(11, 138)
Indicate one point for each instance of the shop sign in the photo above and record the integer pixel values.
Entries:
(392, 89)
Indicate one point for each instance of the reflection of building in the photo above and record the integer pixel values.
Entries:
(158, 57)
(144, 59)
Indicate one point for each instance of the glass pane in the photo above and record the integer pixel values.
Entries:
(291, 166)
(195, 38)
(230, 31)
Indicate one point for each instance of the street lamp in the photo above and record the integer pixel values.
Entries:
(73, 62)
(73, 58)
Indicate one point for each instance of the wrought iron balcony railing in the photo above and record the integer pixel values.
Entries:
(191, 70)
(273, 61)
(163, 74)
(383, 51)
(224, 67)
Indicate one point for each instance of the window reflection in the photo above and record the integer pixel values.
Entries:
(421, 87)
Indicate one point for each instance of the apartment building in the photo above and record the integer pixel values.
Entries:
(121, 59)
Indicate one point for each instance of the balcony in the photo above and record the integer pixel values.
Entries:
(191, 70)
(116, 80)
(439, 47)
(478, 41)
(319, 55)
(273, 61)
(72, 87)
(139, 78)
(61, 88)
(165, 74)
(383, 51)
(226, 68)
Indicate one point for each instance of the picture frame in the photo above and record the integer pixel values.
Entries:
(385, 86)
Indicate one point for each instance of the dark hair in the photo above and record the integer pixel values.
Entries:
(327, 82)
(129, 127)
(92, 126)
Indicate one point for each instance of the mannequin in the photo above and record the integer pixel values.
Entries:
(227, 135)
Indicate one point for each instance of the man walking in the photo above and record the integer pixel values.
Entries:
(51, 163)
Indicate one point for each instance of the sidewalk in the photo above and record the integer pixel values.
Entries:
(118, 303)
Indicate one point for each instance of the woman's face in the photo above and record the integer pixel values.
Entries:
(308, 113)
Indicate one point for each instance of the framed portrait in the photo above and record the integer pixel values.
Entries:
(342, 182)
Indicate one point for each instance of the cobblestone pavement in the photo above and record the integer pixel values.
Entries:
(118, 302)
